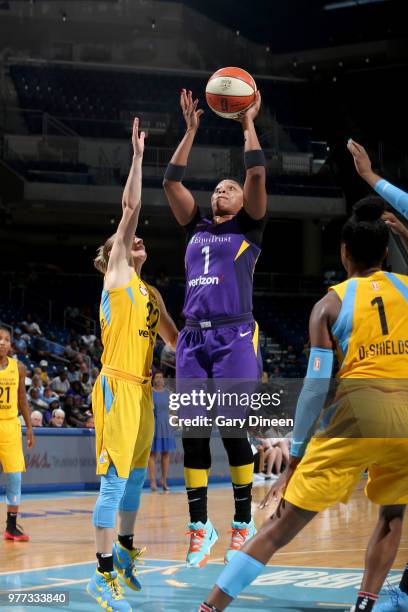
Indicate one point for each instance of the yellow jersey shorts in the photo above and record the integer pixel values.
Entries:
(332, 467)
(11, 445)
(124, 421)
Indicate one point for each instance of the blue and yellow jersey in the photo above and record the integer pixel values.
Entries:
(129, 317)
(371, 331)
(9, 378)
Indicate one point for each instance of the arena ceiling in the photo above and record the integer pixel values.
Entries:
(286, 26)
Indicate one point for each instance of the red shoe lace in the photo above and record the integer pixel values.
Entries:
(238, 538)
(197, 536)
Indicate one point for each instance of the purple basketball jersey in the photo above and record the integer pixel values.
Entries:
(220, 261)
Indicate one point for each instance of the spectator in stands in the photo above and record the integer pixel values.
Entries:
(86, 383)
(31, 327)
(37, 383)
(96, 351)
(272, 456)
(20, 345)
(60, 384)
(89, 423)
(88, 339)
(76, 390)
(72, 349)
(49, 395)
(163, 441)
(82, 369)
(72, 372)
(36, 418)
(35, 400)
(44, 374)
(291, 356)
(57, 418)
(276, 373)
(94, 374)
(83, 357)
(71, 414)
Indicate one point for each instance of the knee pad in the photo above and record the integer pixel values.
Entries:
(130, 501)
(110, 494)
(239, 573)
(13, 488)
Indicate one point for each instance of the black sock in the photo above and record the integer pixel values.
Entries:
(365, 601)
(242, 498)
(12, 520)
(197, 504)
(126, 541)
(404, 580)
(205, 607)
(105, 562)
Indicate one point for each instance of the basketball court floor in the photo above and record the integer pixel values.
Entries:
(320, 570)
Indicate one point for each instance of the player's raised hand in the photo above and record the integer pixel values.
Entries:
(361, 160)
(190, 112)
(137, 139)
(395, 225)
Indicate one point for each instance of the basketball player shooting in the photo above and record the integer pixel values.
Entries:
(222, 251)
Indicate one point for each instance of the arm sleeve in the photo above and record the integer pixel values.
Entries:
(190, 227)
(252, 228)
(393, 195)
(312, 398)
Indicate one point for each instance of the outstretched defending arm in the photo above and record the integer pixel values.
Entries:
(180, 198)
(255, 197)
(120, 268)
(393, 195)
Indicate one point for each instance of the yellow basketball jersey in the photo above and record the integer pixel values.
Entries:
(9, 378)
(371, 331)
(129, 317)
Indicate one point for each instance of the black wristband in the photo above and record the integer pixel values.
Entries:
(175, 173)
(254, 158)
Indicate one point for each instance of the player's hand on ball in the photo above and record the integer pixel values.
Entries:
(361, 160)
(251, 112)
(30, 438)
(395, 225)
(190, 112)
(137, 139)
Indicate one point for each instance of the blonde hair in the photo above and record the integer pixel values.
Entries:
(102, 255)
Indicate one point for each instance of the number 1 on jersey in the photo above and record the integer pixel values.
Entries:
(381, 311)
(206, 252)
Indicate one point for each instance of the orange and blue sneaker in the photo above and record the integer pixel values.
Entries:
(203, 536)
(397, 602)
(241, 533)
(105, 588)
(125, 561)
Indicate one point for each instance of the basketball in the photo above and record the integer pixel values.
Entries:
(230, 91)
